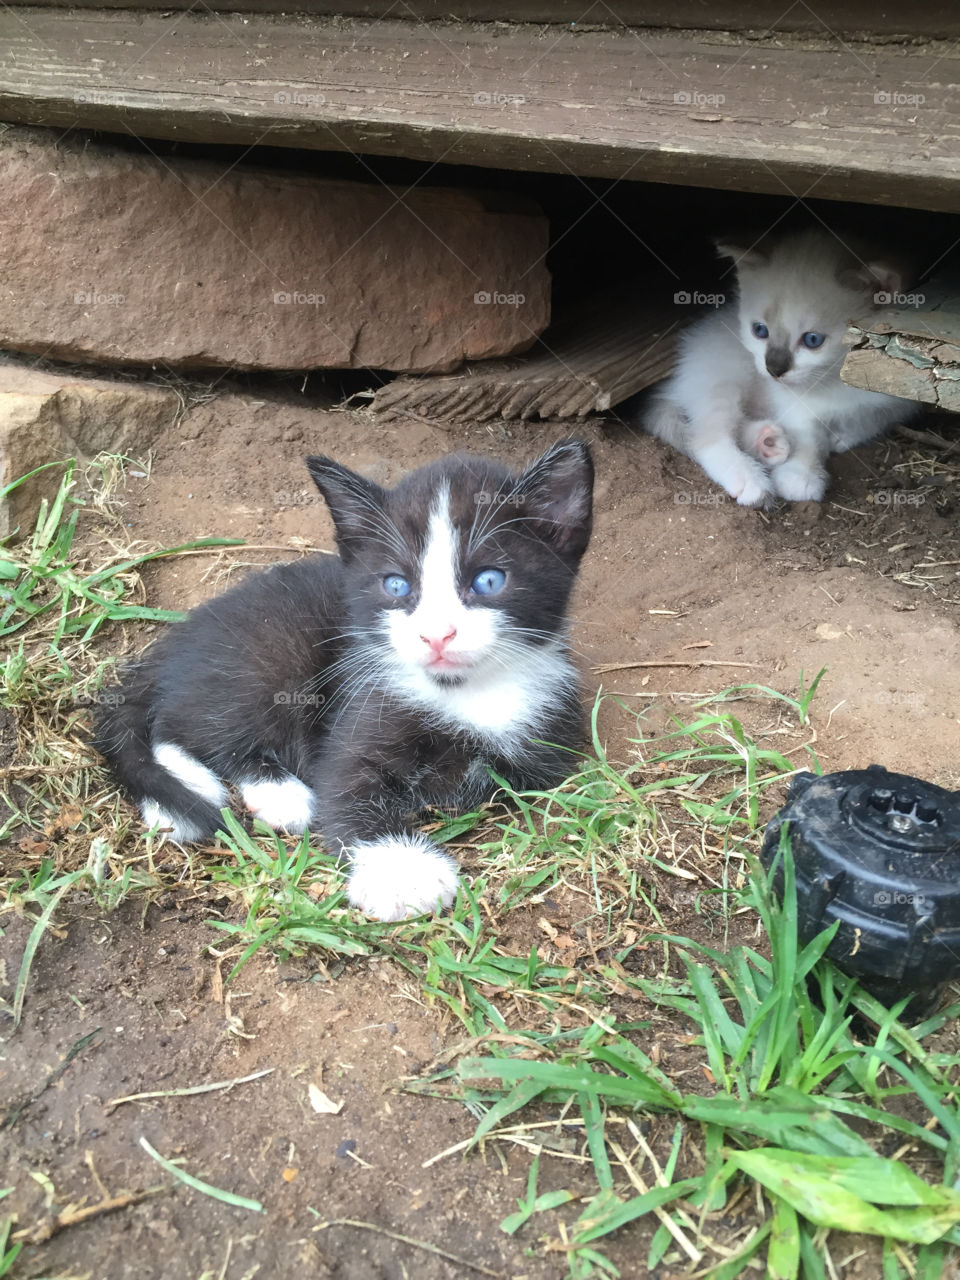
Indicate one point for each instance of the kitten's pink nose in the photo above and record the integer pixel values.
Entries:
(439, 643)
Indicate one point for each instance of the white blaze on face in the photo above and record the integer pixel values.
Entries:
(440, 610)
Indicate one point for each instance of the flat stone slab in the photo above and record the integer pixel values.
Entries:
(50, 417)
(121, 258)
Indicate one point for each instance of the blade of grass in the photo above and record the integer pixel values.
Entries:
(216, 1193)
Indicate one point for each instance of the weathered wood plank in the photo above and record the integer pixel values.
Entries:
(931, 18)
(910, 348)
(840, 121)
(596, 357)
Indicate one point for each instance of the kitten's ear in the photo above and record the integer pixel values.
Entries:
(557, 493)
(881, 277)
(351, 499)
(743, 252)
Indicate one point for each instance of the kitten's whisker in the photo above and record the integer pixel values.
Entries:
(478, 540)
(477, 537)
(394, 539)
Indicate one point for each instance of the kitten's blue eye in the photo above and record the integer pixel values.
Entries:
(488, 582)
(759, 330)
(813, 340)
(396, 586)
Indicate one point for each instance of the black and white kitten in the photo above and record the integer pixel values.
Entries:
(348, 693)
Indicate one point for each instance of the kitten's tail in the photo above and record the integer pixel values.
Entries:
(172, 789)
(665, 420)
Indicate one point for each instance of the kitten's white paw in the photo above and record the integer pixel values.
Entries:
(797, 482)
(749, 484)
(742, 476)
(177, 830)
(286, 803)
(746, 480)
(400, 876)
(754, 493)
(768, 442)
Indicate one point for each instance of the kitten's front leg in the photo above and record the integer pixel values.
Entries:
(803, 477)
(743, 477)
(394, 870)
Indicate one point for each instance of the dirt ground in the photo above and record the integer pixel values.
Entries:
(866, 586)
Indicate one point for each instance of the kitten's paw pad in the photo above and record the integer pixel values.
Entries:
(770, 443)
(284, 803)
(799, 483)
(400, 876)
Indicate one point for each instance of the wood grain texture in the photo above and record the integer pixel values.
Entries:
(910, 348)
(824, 118)
(598, 356)
(932, 18)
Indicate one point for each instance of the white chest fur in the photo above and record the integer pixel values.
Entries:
(504, 707)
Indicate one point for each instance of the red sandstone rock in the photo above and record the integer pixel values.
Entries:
(122, 258)
(49, 417)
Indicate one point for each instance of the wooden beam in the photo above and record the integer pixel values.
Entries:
(931, 19)
(786, 115)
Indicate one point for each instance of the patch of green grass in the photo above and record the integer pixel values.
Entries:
(533, 1203)
(44, 588)
(37, 894)
(8, 1252)
(798, 1100)
(797, 1106)
(57, 594)
(293, 898)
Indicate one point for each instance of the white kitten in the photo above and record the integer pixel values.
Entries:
(756, 396)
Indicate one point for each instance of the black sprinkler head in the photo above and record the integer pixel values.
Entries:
(880, 852)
